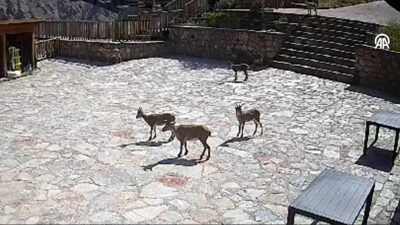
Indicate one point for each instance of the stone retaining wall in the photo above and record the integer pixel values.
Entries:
(378, 68)
(111, 51)
(258, 47)
(100, 50)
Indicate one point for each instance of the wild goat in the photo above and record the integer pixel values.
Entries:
(239, 67)
(111, 55)
(312, 5)
(185, 133)
(245, 116)
(156, 119)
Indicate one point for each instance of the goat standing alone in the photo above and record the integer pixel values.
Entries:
(239, 67)
(312, 5)
(245, 116)
(185, 133)
(156, 119)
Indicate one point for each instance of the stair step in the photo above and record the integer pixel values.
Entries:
(336, 33)
(322, 50)
(319, 72)
(347, 41)
(320, 42)
(318, 56)
(316, 63)
(340, 27)
(346, 22)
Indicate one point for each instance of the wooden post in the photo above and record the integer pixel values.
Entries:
(33, 61)
(3, 56)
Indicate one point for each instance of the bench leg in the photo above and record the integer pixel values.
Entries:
(376, 135)
(368, 206)
(366, 137)
(290, 218)
(396, 144)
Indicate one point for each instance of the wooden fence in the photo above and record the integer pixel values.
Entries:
(122, 30)
(195, 8)
(46, 49)
(191, 8)
(176, 4)
(264, 3)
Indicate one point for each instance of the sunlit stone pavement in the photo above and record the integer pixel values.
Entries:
(61, 132)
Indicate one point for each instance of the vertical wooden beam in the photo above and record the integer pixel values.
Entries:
(3, 49)
(33, 61)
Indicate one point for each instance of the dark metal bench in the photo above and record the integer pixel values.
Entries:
(386, 119)
(334, 197)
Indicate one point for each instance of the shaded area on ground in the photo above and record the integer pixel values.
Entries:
(377, 158)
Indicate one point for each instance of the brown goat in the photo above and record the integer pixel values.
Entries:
(239, 67)
(156, 119)
(245, 116)
(185, 133)
(111, 55)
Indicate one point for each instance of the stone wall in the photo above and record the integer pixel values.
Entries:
(110, 51)
(259, 47)
(378, 68)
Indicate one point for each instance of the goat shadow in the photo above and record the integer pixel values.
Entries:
(230, 79)
(232, 82)
(174, 161)
(235, 139)
(146, 143)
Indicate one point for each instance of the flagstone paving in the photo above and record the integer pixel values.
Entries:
(72, 150)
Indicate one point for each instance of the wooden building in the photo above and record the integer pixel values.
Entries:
(18, 34)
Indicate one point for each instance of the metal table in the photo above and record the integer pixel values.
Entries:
(386, 119)
(334, 197)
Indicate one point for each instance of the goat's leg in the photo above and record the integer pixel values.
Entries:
(237, 135)
(206, 147)
(255, 130)
(209, 151)
(235, 75)
(186, 151)
(180, 151)
(241, 136)
(151, 133)
(247, 75)
(172, 136)
(155, 132)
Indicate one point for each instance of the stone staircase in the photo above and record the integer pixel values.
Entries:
(324, 47)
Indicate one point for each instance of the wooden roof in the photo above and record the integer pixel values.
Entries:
(20, 21)
(18, 26)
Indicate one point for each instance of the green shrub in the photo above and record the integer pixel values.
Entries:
(228, 20)
(254, 5)
(216, 19)
(393, 31)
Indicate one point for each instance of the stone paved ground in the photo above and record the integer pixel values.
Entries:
(375, 12)
(61, 131)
